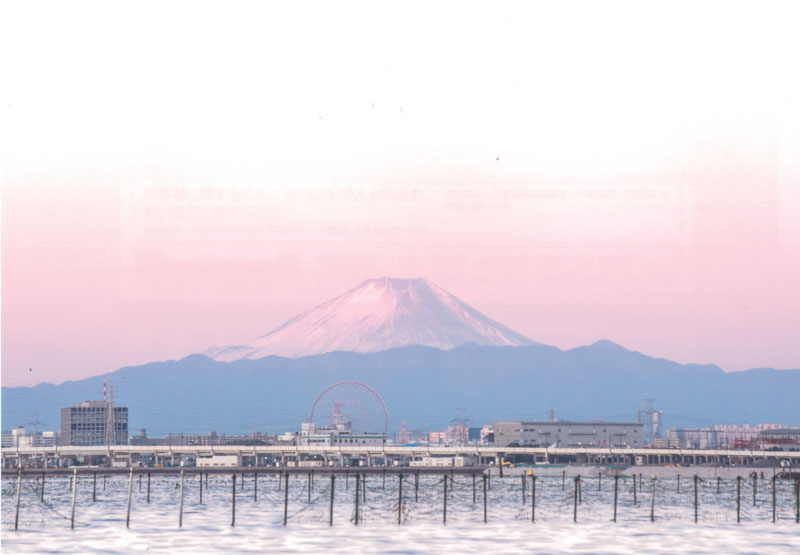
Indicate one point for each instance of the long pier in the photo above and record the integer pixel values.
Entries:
(386, 455)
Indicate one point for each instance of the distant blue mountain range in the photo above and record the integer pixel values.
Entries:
(424, 387)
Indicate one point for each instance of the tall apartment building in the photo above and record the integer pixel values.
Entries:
(89, 423)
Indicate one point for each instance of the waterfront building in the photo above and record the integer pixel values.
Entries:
(563, 433)
(338, 435)
(94, 423)
(20, 438)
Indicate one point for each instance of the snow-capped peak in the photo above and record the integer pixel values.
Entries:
(376, 315)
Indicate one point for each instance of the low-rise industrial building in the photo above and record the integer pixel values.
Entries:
(568, 434)
(219, 460)
(338, 435)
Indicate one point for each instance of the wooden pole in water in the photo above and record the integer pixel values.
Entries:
(309, 487)
(679, 483)
(206, 480)
(346, 480)
(773, 499)
(580, 490)
(599, 480)
(201, 487)
(384, 479)
(42, 492)
(333, 486)
(563, 480)
(738, 497)
(533, 498)
(575, 501)
(634, 489)
(616, 485)
(797, 500)
(473, 489)
(416, 486)
(444, 513)
(363, 489)
(233, 500)
(255, 487)
(104, 482)
(485, 480)
(653, 502)
(358, 493)
(695, 498)
(94, 488)
(523, 488)
(718, 483)
(286, 499)
(180, 510)
(140, 482)
(399, 498)
(148, 488)
(19, 491)
(130, 494)
(755, 487)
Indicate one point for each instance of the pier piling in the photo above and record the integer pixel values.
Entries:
(130, 494)
(233, 500)
(485, 480)
(473, 488)
(653, 501)
(444, 512)
(616, 485)
(358, 494)
(19, 492)
(738, 498)
(773, 499)
(286, 499)
(333, 487)
(523, 488)
(180, 503)
(399, 497)
(575, 500)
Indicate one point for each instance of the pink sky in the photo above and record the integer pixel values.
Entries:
(565, 184)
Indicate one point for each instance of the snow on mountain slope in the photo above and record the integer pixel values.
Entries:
(377, 315)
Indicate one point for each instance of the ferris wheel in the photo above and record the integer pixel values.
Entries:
(352, 405)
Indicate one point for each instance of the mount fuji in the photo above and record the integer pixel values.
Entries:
(377, 315)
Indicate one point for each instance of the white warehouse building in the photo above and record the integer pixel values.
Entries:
(568, 434)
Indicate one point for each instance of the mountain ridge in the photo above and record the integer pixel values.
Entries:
(423, 386)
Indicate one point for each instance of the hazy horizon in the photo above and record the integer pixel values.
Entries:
(610, 172)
